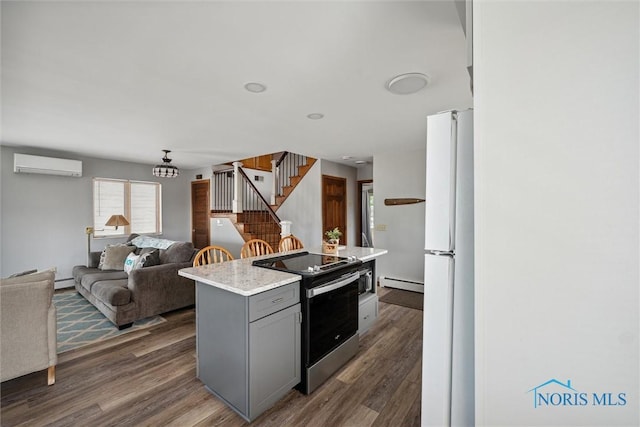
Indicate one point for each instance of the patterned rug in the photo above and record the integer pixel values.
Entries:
(80, 323)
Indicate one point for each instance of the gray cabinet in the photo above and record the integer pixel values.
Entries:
(368, 300)
(367, 311)
(248, 348)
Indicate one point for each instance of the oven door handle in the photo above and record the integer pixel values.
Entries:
(331, 286)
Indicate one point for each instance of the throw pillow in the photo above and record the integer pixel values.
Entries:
(131, 262)
(148, 259)
(178, 252)
(114, 256)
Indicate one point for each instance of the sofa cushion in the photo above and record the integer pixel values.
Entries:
(112, 292)
(88, 279)
(178, 252)
(114, 256)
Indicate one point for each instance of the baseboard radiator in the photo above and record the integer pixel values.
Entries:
(394, 282)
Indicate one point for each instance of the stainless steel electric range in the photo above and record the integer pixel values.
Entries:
(329, 291)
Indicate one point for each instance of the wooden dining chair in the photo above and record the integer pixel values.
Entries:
(255, 247)
(289, 243)
(211, 255)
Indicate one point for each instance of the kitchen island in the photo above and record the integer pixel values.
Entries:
(250, 339)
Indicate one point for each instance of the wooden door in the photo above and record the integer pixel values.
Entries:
(334, 205)
(200, 213)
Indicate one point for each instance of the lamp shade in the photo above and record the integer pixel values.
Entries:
(166, 169)
(117, 220)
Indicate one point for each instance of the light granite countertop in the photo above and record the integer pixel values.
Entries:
(240, 277)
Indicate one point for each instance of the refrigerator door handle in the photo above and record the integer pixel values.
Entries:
(439, 252)
(453, 158)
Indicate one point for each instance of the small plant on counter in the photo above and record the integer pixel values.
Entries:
(333, 236)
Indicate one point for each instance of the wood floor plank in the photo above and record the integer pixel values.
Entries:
(361, 417)
(147, 378)
(403, 363)
(398, 407)
(192, 409)
(412, 419)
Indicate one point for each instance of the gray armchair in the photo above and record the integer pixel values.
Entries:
(27, 326)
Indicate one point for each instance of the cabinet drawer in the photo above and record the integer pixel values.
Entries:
(367, 313)
(265, 303)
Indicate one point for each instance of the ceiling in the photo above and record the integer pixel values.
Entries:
(124, 80)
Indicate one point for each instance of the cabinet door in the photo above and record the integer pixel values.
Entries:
(274, 358)
(367, 313)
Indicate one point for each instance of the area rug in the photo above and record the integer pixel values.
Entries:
(80, 323)
(404, 298)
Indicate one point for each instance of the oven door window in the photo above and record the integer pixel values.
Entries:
(332, 318)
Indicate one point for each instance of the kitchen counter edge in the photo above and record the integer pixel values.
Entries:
(241, 277)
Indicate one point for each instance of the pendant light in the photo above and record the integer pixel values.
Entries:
(166, 170)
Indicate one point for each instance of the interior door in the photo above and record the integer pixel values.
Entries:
(200, 213)
(334, 205)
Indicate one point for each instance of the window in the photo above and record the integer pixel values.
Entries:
(138, 201)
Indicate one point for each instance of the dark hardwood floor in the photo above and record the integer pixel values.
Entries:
(148, 378)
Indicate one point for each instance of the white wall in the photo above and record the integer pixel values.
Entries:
(224, 233)
(365, 172)
(43, 217)
(556, 134)
(350, 173)
(303, 208)
(263, 187)
(400, 174)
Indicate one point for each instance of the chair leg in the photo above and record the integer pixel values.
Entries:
(51, 375)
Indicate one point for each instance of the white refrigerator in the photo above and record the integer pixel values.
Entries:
(448, 340)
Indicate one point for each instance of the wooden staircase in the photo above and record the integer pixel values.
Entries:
(258, 219)
(293, 181)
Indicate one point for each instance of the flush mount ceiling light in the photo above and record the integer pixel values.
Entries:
(315, 116)
(166, 170)
(255, 87)
(408, 83)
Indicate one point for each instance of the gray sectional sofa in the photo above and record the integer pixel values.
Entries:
(124, 298)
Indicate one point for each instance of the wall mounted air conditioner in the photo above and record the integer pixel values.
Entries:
(25, 163)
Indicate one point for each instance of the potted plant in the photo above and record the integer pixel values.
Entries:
(330, 246)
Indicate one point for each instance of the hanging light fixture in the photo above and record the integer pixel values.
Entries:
(166, 170)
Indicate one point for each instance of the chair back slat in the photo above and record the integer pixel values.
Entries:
(212, 255)
(255, 247)
(289, 243)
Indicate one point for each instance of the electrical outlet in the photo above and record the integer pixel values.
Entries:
(381, 227)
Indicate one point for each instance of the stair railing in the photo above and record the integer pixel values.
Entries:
(286, 167)
(261, 219)
(222, 186)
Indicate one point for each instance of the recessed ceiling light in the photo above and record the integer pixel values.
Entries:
(315, 116)
(360, 162)
(255, 87)
(347, 157)
(405, 84)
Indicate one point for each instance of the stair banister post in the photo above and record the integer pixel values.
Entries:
(274, 183)
(285, 228)
(236, 206)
